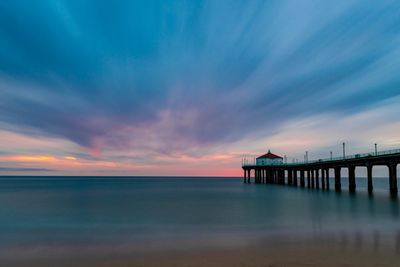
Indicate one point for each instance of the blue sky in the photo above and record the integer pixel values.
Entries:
(189, 87)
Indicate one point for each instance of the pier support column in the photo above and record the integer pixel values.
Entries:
(244, 175)
(327, 178)
(262, 176)
(317, 178)
(295, 177)
(393, 178)
(338, 182)
(352, 178)
(248, 176)
(302, 182)
(273, 176)
(313, 178)
(308, 178)
(323, 179)
(278, 176)
(270, 178)
(290, 177)
(369, 178)
(281, 175)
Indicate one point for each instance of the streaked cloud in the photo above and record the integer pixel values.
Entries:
(144, 87)
(29, 170)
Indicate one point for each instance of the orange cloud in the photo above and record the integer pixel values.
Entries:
(33, 158)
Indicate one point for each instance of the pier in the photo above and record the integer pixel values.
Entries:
(270, 169)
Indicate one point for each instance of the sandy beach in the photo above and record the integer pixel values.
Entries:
(245, 257)
(264, 258)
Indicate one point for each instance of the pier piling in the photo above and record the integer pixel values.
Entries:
(352, 178)
(369, 178)
(393, 178)
(290, 177)
(312, 178)
(327, 179)
(338, 182)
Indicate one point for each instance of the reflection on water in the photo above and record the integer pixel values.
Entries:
(374, 240)
(150, 212)
(398, 241)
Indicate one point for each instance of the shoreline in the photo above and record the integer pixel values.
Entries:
(248, 256)
(372, 248)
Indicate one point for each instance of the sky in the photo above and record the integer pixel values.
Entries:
(190, 87)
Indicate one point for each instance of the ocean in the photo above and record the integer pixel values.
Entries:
(71, 216)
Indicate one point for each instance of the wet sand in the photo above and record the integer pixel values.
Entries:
(249, 256)
(263, 258)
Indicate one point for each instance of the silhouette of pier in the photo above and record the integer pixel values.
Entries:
(315, 174)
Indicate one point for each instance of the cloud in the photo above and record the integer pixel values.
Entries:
(6, 169)
(188, 78)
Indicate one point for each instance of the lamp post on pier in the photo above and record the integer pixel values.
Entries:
(344, 150)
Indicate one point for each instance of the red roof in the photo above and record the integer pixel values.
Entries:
(269, 155)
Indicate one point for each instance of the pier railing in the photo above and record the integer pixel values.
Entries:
(355, 156)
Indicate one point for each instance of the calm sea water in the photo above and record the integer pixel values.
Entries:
(165, 213)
